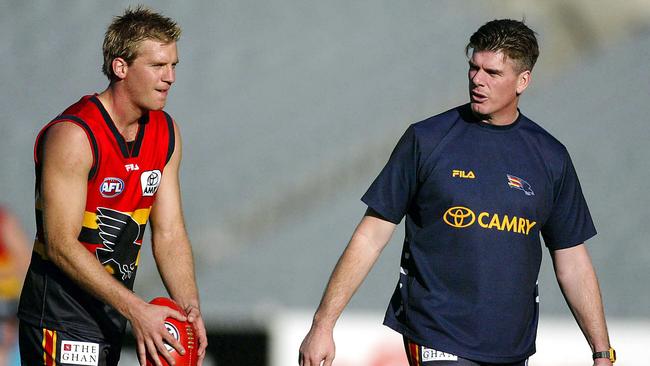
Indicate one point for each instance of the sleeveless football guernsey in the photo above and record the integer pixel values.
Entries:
(121, 189)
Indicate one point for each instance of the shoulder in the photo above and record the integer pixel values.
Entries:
(67, 142)
(428, 133)
(544, 140)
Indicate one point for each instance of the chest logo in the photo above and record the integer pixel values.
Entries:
(150, 180)
(462, 174)
(119, 233)
(459, 216)
(131, 167)
(462, 217)
(520, 184)
(111, 187)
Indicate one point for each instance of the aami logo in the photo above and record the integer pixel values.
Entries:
(462, 217)
(150, 180)
(111, 187)
(462, 174)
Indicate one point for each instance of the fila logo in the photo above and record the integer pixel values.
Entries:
(462, 174)
(111, 187)
(150, 180)
(131, 167)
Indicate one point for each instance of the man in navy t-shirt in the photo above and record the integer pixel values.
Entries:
(478, 184)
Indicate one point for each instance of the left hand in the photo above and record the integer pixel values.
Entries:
(194, 317)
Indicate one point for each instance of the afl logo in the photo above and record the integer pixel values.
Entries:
(111, 187)
(175, 334)
(459, 216)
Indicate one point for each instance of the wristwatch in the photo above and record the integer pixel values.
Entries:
(610, 353)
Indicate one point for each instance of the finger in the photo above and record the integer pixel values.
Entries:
(160, 346)
(328, 360)
(172, 342)
(171, 313)
(200, 360)
(193, 313)
(203, 341)
(151, 349)
(142, 353)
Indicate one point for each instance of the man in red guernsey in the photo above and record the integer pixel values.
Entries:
(103, 167)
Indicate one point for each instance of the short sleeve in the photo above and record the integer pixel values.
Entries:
(391, 192)
(570, 222)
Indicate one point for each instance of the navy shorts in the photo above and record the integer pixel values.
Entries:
(41, 346)
(423, 356)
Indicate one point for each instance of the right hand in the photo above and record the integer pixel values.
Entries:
(148, 323)
(318, 346)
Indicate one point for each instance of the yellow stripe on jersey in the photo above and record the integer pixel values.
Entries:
(140, 216)
(54, 347)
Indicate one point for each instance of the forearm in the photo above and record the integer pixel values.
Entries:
(174, 259)
(351, 269)
(579, 285)
(82, 267)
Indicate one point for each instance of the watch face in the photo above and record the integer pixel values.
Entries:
(612, 354)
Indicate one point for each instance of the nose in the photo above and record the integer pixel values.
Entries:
(169, 76)
(476, 77)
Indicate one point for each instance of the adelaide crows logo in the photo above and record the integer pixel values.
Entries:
(119, 233)
(520, 184)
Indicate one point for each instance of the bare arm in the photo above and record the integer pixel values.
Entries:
(577, 279)
(369, 239)
(171, 246)
(17, 244)
(66, 161)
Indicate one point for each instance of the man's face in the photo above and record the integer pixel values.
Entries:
(494, 85)
(151, 74)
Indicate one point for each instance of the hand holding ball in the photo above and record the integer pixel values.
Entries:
(183, 332)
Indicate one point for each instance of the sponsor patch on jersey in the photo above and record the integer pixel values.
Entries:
(456, 173)
(79, 353)
(150, 180)
(131, 167)
(520, 184)
(174, 332)
(111, 187)
(429, 355)
(462, 217)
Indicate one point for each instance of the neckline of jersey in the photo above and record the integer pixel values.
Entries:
(468, 116)
(127, 151)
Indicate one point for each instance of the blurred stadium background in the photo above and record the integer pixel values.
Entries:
(290, 108)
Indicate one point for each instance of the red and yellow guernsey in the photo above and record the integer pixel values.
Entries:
(122, 185)
(9, 282)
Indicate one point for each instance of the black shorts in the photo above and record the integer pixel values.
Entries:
(423, 356)
(41, 346)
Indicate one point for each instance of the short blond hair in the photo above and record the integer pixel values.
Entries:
(125, 33)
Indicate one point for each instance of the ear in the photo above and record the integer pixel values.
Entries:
(523, 80)
(120, 67)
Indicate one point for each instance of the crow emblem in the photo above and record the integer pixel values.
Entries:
(520, 184)
(119, 233)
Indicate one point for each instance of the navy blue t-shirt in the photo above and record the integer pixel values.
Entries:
(476, 198)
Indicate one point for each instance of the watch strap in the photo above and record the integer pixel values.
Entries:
(609, 354)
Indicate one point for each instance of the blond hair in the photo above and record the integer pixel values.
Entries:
(127, 31)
